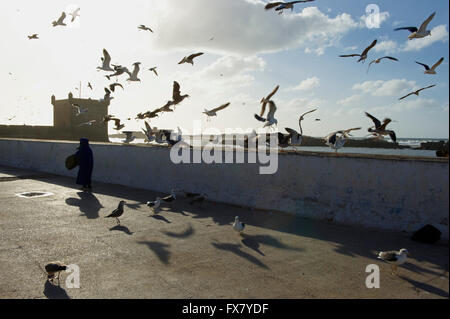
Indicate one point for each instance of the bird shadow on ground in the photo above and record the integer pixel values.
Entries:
(160, 249)
(236, 249)
(122, 229)
(420, 270)
(134, 206)
(161, 218)
(88, 204)
(52, 291)
(187, 233)
(254, 241)
(426, 287)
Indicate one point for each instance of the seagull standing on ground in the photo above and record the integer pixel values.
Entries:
(117, 212)
(213, 112)
(395, 258)
(363, 55)
(417, 92)
(106, 59)
(422, 32)
(377, 61)
(190, 59)
(60, 21)
(54, 268)
(431, 70)
(380, 129)
(238, 225)
(155, 205)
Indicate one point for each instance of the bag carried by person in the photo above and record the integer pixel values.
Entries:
(72, 162)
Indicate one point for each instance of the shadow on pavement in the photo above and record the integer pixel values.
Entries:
(122, 229)
(187, 233)
(54, 292)
(88, 204)
(160, 249)
(236, 249)
(426, 287)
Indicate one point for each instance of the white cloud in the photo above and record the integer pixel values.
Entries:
(351, 100)
(244, 27)
(387, 47)
(392, 87)
(307, 85)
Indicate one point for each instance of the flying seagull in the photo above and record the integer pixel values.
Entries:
(238, 225)
(54, 268)
(60, 21)
(150, 136)
(380, 129)
(90, 123)
(117, 212)
(107, 97)
(295, 137)
(117, 124)
(154, 70)
(433, 68)
(337, 140)
(265, 100)
(417, 92)
(143, 27)
(106, 59)
(113, 86)
(377, 61)
(79, 110)
(213, 112)
(190, 59)
(302, 117)
(270, 120)
(89, 85)
(284, 5)
(119, 70)
(422, 32)
(363, 55)
(176, 95)
(395, 258)
(75, 14)
(34, 36)
(133, 77)
(129, 137)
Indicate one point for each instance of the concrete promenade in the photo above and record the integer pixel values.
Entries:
(190, 251)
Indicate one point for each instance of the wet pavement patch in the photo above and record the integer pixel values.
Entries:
(34, 194)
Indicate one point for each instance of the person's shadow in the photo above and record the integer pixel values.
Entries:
(52, 291)
(88, 204)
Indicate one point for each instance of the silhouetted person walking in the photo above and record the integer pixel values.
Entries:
(86, 160)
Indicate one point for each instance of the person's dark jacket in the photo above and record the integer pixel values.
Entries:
(86, 160)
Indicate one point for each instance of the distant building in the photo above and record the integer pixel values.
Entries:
(66, 123)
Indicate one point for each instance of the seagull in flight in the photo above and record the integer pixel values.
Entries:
(143, 27)
(89, 85)
(60, 21)
(337, 140)
(176, 94)
(302, 117)
(377, 61)
(106, 59)
(431, 70)
(270, 120)
(380, 129)
(363, 55)
(280, 6)
(155, 205)
(133, 77)
(90, 123)
(190, 59)
(79, 110)
(417, 92)
(34, 36)
(119, 70)
(107, 97)
(154, 70)
(213, 112)
(294, 136)
(150, 136)
(422, 32)
(265, 100)
(117, 124)
(75, 14)
(113, 86)
(129, 137)
(395, 258)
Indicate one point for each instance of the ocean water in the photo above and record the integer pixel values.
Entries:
(412, 142)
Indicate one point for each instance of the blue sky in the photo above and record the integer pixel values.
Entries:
(254, 49)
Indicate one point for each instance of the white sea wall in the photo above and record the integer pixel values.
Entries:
(382, 192)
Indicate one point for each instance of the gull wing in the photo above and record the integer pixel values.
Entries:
(61, 18)
(390, 58)
(272, 5)
(410, 29)
(369, 47)
(424, 65)
(424, 25)
(193, 56)
(221, 107)
(107, 57)
(428, 87)
(389, 256)
(385, 123)
(437, 63)
(375, 120)
(272, 93)
(176, 91)
(349, 55)
(404, 97)
(272, 110)
(301, 117)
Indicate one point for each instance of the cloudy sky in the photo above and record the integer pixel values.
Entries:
(252, 51)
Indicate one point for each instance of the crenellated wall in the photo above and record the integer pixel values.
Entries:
(383, 192)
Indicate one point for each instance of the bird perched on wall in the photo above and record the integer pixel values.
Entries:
(60, 21)
(34, 36)
(190, 59)
(129, 137)
(154, 70)
(395, 258)
(75, 14)
(54, 268)
(377, 61)
(363, 55)
(280, 6)
(422, 32)
(176, 94)
(380, 129)
(417, 92)
(143, 27)
(213, 112)
(270, 120)
(133, 77)
(238, 225)
(337, 140)
(431, 70)
(106, 61)
(117, 212)
(155, 205)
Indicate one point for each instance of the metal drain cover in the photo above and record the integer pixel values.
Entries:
(34, 194)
